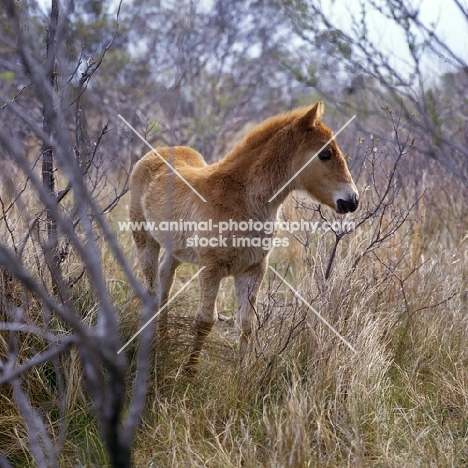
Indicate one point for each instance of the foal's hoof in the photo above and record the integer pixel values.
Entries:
(191, 366)
(190, 370)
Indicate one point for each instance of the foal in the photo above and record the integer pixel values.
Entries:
(237, 188)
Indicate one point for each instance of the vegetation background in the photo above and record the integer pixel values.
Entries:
(201, 74)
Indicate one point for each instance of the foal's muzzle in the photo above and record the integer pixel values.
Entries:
(347, 206)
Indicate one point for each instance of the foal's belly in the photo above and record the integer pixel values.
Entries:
(228, 258)
(229, 252)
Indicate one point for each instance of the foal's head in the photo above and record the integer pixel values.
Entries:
(327, 177)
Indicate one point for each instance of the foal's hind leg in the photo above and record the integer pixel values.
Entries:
(246, 289)
(206, 315)
(148, 258)
(167, 270)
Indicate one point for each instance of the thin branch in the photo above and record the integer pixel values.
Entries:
(38, 359)
(16, 95)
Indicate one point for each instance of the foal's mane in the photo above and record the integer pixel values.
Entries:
(263, 132)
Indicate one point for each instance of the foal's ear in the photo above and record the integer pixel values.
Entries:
(313, 116)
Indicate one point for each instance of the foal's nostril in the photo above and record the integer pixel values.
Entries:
(347, 206)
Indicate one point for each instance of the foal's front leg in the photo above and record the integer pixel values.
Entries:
(246, 289)
(206, 314)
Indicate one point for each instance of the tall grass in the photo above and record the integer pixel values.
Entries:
(303, 398)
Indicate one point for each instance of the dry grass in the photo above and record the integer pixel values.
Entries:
(304, 399)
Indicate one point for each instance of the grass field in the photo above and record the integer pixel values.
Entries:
(303, 399)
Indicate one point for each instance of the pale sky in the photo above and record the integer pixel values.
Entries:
(450, 24)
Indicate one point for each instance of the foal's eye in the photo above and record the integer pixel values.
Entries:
(324, 155)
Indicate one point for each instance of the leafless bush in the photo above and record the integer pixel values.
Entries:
(383, 210)
(31, 259)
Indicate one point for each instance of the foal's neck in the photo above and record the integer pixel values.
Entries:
(262, 170)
